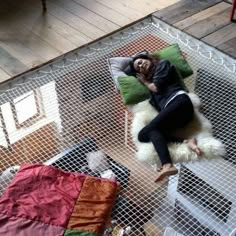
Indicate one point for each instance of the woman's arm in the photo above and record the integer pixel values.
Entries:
(162, 75)
(150, 85)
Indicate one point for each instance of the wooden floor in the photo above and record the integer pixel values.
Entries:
(29, 38)
(205, 20)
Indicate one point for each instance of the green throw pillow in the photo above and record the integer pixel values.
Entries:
(174, 55)
(132, 91)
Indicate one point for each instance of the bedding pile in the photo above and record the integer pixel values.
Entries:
(43, 200)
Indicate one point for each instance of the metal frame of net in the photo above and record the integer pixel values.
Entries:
(65, 109)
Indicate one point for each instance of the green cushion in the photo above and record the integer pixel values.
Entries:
(174, 55)
(132, 91)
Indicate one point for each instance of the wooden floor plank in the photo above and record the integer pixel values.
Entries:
(10, 64)
(22, 53)
(26, 13)
(147, 5)
(141, 7)
(74, 21)
(187, 22)
(184, 9)
(10, 27)
(37, 44)
(221, 36)
(229, 47)
(37, 24)
(4, 76)
(91, 17)
(65, 26)
(105, 12)
(122, 9)
(25, 38)
(26, 48)
(209, 25)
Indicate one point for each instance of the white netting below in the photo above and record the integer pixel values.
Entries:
(61, 112)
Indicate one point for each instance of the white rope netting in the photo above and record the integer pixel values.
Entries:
(64, 110)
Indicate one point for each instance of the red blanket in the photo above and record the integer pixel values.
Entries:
(43, 200)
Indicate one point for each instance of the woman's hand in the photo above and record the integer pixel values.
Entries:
(141, 78)
(152, 87)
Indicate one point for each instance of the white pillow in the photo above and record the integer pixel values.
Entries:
(120, 66)
(117, 66)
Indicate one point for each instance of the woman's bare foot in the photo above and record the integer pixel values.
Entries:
(166, 171)
(192, 144)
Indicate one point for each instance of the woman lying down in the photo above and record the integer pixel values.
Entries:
(173, 104)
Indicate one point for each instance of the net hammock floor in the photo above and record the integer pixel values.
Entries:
(69, 107)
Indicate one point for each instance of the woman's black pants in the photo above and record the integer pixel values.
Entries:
(177, 114)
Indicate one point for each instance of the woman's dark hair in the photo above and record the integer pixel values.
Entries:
(141, 55)
(144, 55)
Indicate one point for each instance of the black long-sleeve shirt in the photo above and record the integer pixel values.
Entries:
(168, 82)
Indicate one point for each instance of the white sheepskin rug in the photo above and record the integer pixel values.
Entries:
(200, 128)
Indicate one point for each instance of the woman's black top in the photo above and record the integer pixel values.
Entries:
(168, 82)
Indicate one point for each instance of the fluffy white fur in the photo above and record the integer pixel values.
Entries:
(200, 128)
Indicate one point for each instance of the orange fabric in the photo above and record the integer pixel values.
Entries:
(148, 42)
(93, 207)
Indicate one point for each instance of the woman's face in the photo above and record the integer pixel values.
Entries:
(142, 65)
